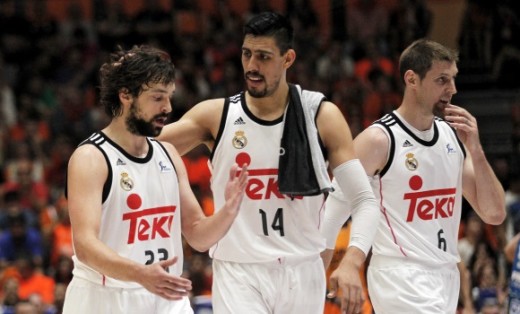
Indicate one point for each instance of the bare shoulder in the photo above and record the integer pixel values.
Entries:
(373, 136)
(372, 148)
(328, 109)
(87, 164)
(86, 154)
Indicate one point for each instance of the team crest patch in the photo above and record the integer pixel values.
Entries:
(411, 163)
(126, 182)
(239, 140)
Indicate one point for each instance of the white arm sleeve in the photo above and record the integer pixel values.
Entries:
(354, 197)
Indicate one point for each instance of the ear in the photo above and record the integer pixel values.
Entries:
(124, 96)
(290, 57)
(410, 78)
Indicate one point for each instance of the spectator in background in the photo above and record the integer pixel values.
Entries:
(9, 294)
(34, 195)
(20, 240)
(61, 237)
(153, 25)
(112, 24)
(381, 97)
(367, 21)
(34, 284)
(409, 21)
(512, 255)
(473, 234)
(12, 206)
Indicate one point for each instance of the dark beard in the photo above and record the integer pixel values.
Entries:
(257, 93)
(139, 126)
(253, 92)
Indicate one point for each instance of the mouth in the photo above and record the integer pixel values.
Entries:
(160, 121)
(254, 78)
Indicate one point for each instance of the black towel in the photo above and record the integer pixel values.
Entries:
(296, 173)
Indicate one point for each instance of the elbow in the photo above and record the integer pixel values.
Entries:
(81, 254)
(201, 247)
(496, 217)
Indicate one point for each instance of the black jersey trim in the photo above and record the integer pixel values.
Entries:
(97, 139)
(415, 137)
(222, 125)
(387, 121)
(255, 118)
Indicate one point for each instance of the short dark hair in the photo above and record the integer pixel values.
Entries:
(132, 70)
(419, 56)
(272, 24)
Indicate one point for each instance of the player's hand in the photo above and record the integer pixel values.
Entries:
(235, 187)
(347, 280)
(465, 124)
(157, 280)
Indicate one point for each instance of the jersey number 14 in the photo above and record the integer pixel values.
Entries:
(276, 224)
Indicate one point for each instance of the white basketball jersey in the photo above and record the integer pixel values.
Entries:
(269, 225)
(141, 214)
(420, 190)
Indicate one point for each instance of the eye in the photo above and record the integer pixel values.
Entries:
(246, 53)
(264, 56)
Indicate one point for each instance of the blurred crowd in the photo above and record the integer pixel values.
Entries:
(48, 104)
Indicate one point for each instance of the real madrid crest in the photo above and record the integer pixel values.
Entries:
(126, 182)
(411, 163)
(239, 140)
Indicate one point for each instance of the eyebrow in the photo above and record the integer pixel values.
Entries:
(258, 51)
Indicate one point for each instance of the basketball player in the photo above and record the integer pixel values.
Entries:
(129, 198)
(421, 159)
(269, 261)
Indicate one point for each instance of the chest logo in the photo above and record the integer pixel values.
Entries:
(450, 150)
(411, 163)
(239, 140)
(126, 182)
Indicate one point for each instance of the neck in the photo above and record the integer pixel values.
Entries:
(135, 145)
(270, 107)
(420, 119)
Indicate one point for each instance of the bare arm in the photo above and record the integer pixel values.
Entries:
(479, 183)
(510, 248)
(202, 232)
(197, 126)
(87, 172)
(335, 134)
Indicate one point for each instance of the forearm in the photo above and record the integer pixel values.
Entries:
(490, 194)
(95, 254)
(205, 232)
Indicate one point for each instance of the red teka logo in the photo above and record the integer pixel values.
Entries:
(257, 186)
(428, 205)
(143, 226)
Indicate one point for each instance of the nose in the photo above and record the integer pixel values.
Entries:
(250, 64)
(167, 108)
(453, 88)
